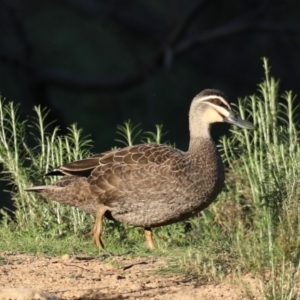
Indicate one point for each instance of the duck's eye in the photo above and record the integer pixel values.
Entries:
(218, 102)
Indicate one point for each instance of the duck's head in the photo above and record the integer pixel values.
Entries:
(210, 106)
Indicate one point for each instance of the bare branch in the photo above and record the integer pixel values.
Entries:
(7, 57)
(77, 82)
(172, 46)
(219, 32)
(67, 80)
(19, 28)
(267, 26)
(179, 30)
(234, 26)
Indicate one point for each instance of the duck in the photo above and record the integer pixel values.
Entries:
(150, 185)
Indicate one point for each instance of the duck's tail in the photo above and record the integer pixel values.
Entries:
(40, 188)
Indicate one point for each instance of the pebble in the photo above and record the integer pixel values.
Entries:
(136, 287)
(65, 257)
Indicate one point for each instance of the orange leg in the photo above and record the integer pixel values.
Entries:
(98, 227)
(149, 238)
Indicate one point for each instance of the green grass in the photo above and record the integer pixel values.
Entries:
(34, 241)
(253, 227)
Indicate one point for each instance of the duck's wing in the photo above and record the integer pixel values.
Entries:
(82, 167)
(136, 170)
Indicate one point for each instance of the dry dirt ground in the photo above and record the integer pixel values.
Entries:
(77, 277)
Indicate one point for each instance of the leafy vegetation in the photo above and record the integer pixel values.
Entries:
(252, 228)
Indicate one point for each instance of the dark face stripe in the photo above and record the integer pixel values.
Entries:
(218, 102)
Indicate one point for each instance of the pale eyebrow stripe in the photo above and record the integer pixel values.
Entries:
(212, 97)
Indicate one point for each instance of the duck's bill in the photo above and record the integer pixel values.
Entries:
(235, 120)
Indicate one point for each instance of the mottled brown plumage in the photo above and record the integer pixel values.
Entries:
(150, 185)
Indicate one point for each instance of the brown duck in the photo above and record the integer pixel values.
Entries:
(150, 185)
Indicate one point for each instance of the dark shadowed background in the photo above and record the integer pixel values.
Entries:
(99, 63)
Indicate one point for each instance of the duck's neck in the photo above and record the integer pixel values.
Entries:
(202, 148)
(200, 145)
(199, 129)
(199, 135)
(204, 157)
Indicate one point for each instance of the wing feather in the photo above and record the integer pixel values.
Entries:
(128, 172)
(136, 170)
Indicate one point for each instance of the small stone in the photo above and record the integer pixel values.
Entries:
(7, 293)
(65, 257)
(107, 267)
(135, 287)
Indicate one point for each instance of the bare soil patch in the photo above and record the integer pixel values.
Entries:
(78, 277)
